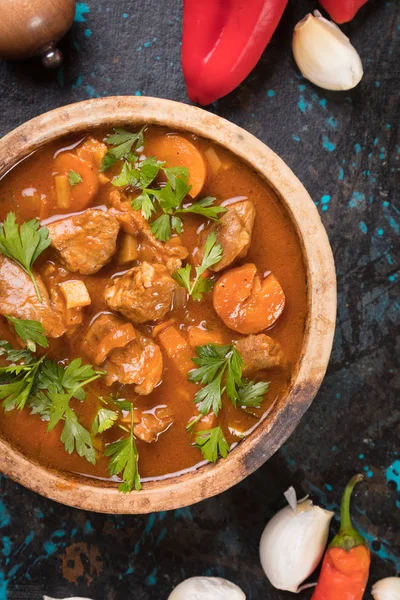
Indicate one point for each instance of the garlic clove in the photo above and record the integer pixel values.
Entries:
(387, 589)
(293, 543)
(207, 588)
(325, 55)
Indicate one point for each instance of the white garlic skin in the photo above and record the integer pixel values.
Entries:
(293, 543)
(325, 55)
(207, 588)
(387, 589)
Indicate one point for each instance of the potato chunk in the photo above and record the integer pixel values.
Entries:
(75, 293)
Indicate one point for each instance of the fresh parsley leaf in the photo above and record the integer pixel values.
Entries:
(129, 176)
(212, 444)
(124, 460)
(31, 332)
(219, 369)
(123, 142)
(252, 394)
(200, 285)
(175, 173)
(144, 203)
(40, 404)
(206, 208)
(161, 228)
(16, 382)
(104, 420)
(75, 437)
(25, 244)
(148, 169)
(74, 178)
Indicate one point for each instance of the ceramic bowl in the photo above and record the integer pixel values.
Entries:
(188, 488)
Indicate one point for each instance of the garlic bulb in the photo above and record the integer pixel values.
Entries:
(325, 55)
(387, 589)
(207, 588)
(293, 542)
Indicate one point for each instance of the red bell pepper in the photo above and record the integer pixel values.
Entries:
(342, 11)
(223, 41)
(345, 570)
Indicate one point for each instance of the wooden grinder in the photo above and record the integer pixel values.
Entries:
(33, 27)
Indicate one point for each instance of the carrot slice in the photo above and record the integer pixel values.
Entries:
(177, 349)
(247, 303)
(82, 194)
(200, 337)
(177, 151)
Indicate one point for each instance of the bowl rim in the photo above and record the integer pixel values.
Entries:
(272, 432)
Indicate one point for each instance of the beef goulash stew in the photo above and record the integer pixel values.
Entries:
(152, 302)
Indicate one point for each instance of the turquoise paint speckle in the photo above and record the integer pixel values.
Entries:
(328, 487)
(302, 87)
(388, 126)
(147, 44)
(323, 102)
(88, 33)
(125, 15)
(392, 278)
(152, 578)
(377, 84)
(368, 472)
(4, 516)
(138, 93)
(78, 82)
(393, 473)
(357, 148)
(3, 586)
(327, 144)
(303, 104)
(87, 528)
(363, 229)
(366, 173)
(270, 93)
(296, 138)
(380, 231)
(325, 199)
(151, 519)
(341, 174)
(50, 548)
(6, 546)
(357, 200)
(331, 122)
(361, 456)
(393, 224)
(81, 10)
(91, 91)
(376, 140)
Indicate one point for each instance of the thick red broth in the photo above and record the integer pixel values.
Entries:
(111, 296)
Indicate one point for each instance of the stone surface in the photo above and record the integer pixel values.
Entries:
(345, 148)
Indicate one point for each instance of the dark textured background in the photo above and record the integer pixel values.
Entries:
(345, 149)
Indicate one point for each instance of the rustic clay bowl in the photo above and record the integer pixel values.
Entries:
(208, 480)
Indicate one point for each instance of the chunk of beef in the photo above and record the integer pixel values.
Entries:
(134, 223)
(151, 424)
(139, 363)
(18, 299)
(86, 241)
(53, 276)
(233, 233)
(106, 333)
(260, 352)
(143, 294)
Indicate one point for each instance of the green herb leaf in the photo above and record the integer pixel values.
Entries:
(31, 332)
(175, 173)
(74, 178)
(75, 437)
(104, 420)
(16, 382)
(123, 142)
(219, 369)
(212, 255)
(161, 228)
(206, 208)
(212, 444)
(144, 203)
(149, 169)
(252, 394)
(24, 245)
(129, 176)
(124, 460)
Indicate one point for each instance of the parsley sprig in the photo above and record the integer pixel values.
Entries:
(30, 332)
(23, 245)
(200, 285)
(123, 141)
(212, 444)
(220, 371)
(74, 178)
(125, 457)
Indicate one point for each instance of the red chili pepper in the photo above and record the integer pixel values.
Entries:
(345, 568)
(342, 11)
(223, 41)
